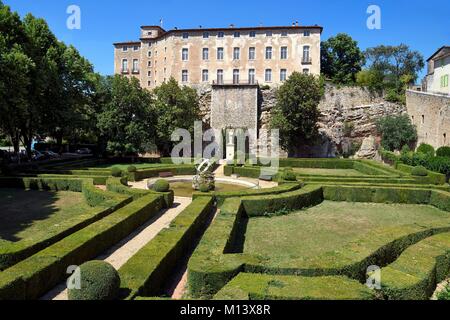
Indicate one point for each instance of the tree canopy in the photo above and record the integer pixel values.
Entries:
(296, 113)
(341, 59)
(396, 132)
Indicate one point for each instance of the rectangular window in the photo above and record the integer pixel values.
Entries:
(268, 33)
(236, 76)
(284, 53)
(283, 75)
(205, 35)
(149, 74)
(135, 65)
(220, 34)
(444, 81)
(237, 34)
(284, 33)
(185, 35)
(149, 54)
(306, 57)
(124, 65)
(236, 53)
(205, 54)
(185, 54)
(149, 63)
(125, 48)
(306, 33)
(220, 76)
(251, 53)
(306, 71)
(205, 75)
(251, 76)
(268, 75)
(268, 53)
(136, 48)
(219, 53)
(252, 34)
(184, 76)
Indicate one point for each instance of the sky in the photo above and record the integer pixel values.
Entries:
(423, 25)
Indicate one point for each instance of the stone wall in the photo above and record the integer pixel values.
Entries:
(431, 114)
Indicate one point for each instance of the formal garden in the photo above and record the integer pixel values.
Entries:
(310, 231)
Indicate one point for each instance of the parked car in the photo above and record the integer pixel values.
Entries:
(84, 151)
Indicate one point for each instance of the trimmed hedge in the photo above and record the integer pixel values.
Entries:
(33, 277)
(249, 286)
(269, 204)
(154, 172)
(418, 270)
(146, 272)
(433, 177)
(119, 185)
(222, 196)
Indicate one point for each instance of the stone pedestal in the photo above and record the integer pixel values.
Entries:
(230, 152)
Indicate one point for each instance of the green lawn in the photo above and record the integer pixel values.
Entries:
(184, 189)
(38, 215)
(327, 228)
(328, 172)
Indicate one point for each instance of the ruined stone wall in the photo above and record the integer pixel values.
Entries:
(431, 114)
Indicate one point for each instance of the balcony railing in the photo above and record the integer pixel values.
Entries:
(234, 82)
(306, 60)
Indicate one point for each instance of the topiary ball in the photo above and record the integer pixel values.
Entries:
(161, 186)
(204, 188)
(443, 152)
(131, 169)
(419, 171)
(116, 172)
(426, 149)
(99, 281)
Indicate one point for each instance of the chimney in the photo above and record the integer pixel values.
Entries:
(293, 24)
(296, 23)
(231, 25)
(200, 27)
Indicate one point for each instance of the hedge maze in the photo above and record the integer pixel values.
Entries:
(311, 237)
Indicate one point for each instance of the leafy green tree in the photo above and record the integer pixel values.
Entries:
(177, 108)
(296, 113)
(127, 119)
(398, 65)
(396, 131)
(371, 79)
(341, 59)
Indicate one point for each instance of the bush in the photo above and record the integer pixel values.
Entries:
(426, 149)
(99, 281)
(419, 171)
(396, 131)
(116, 172)
(131, 169)
(288, 175)
(443, 152)
(204, 188)
(161, 186)
(444, 294)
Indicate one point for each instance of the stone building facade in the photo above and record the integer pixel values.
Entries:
(196, 57)
(430, 113)
(437, 79)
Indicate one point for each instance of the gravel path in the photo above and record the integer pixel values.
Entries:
(119, 254)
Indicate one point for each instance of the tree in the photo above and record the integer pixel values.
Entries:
(341, 59)
(127, 119)
(177, 108)
(396, 131)
(296, 112)
(398, 65)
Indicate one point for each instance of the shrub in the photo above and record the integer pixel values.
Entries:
(288, 175)
(131, 169)
(99, 281)
(426, 149)
(443, 152)
(444, 294)
(396, 131)
(116, 172)
(161, 186)
(204, 188)
(419, 171)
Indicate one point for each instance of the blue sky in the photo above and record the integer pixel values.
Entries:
(421, 24)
